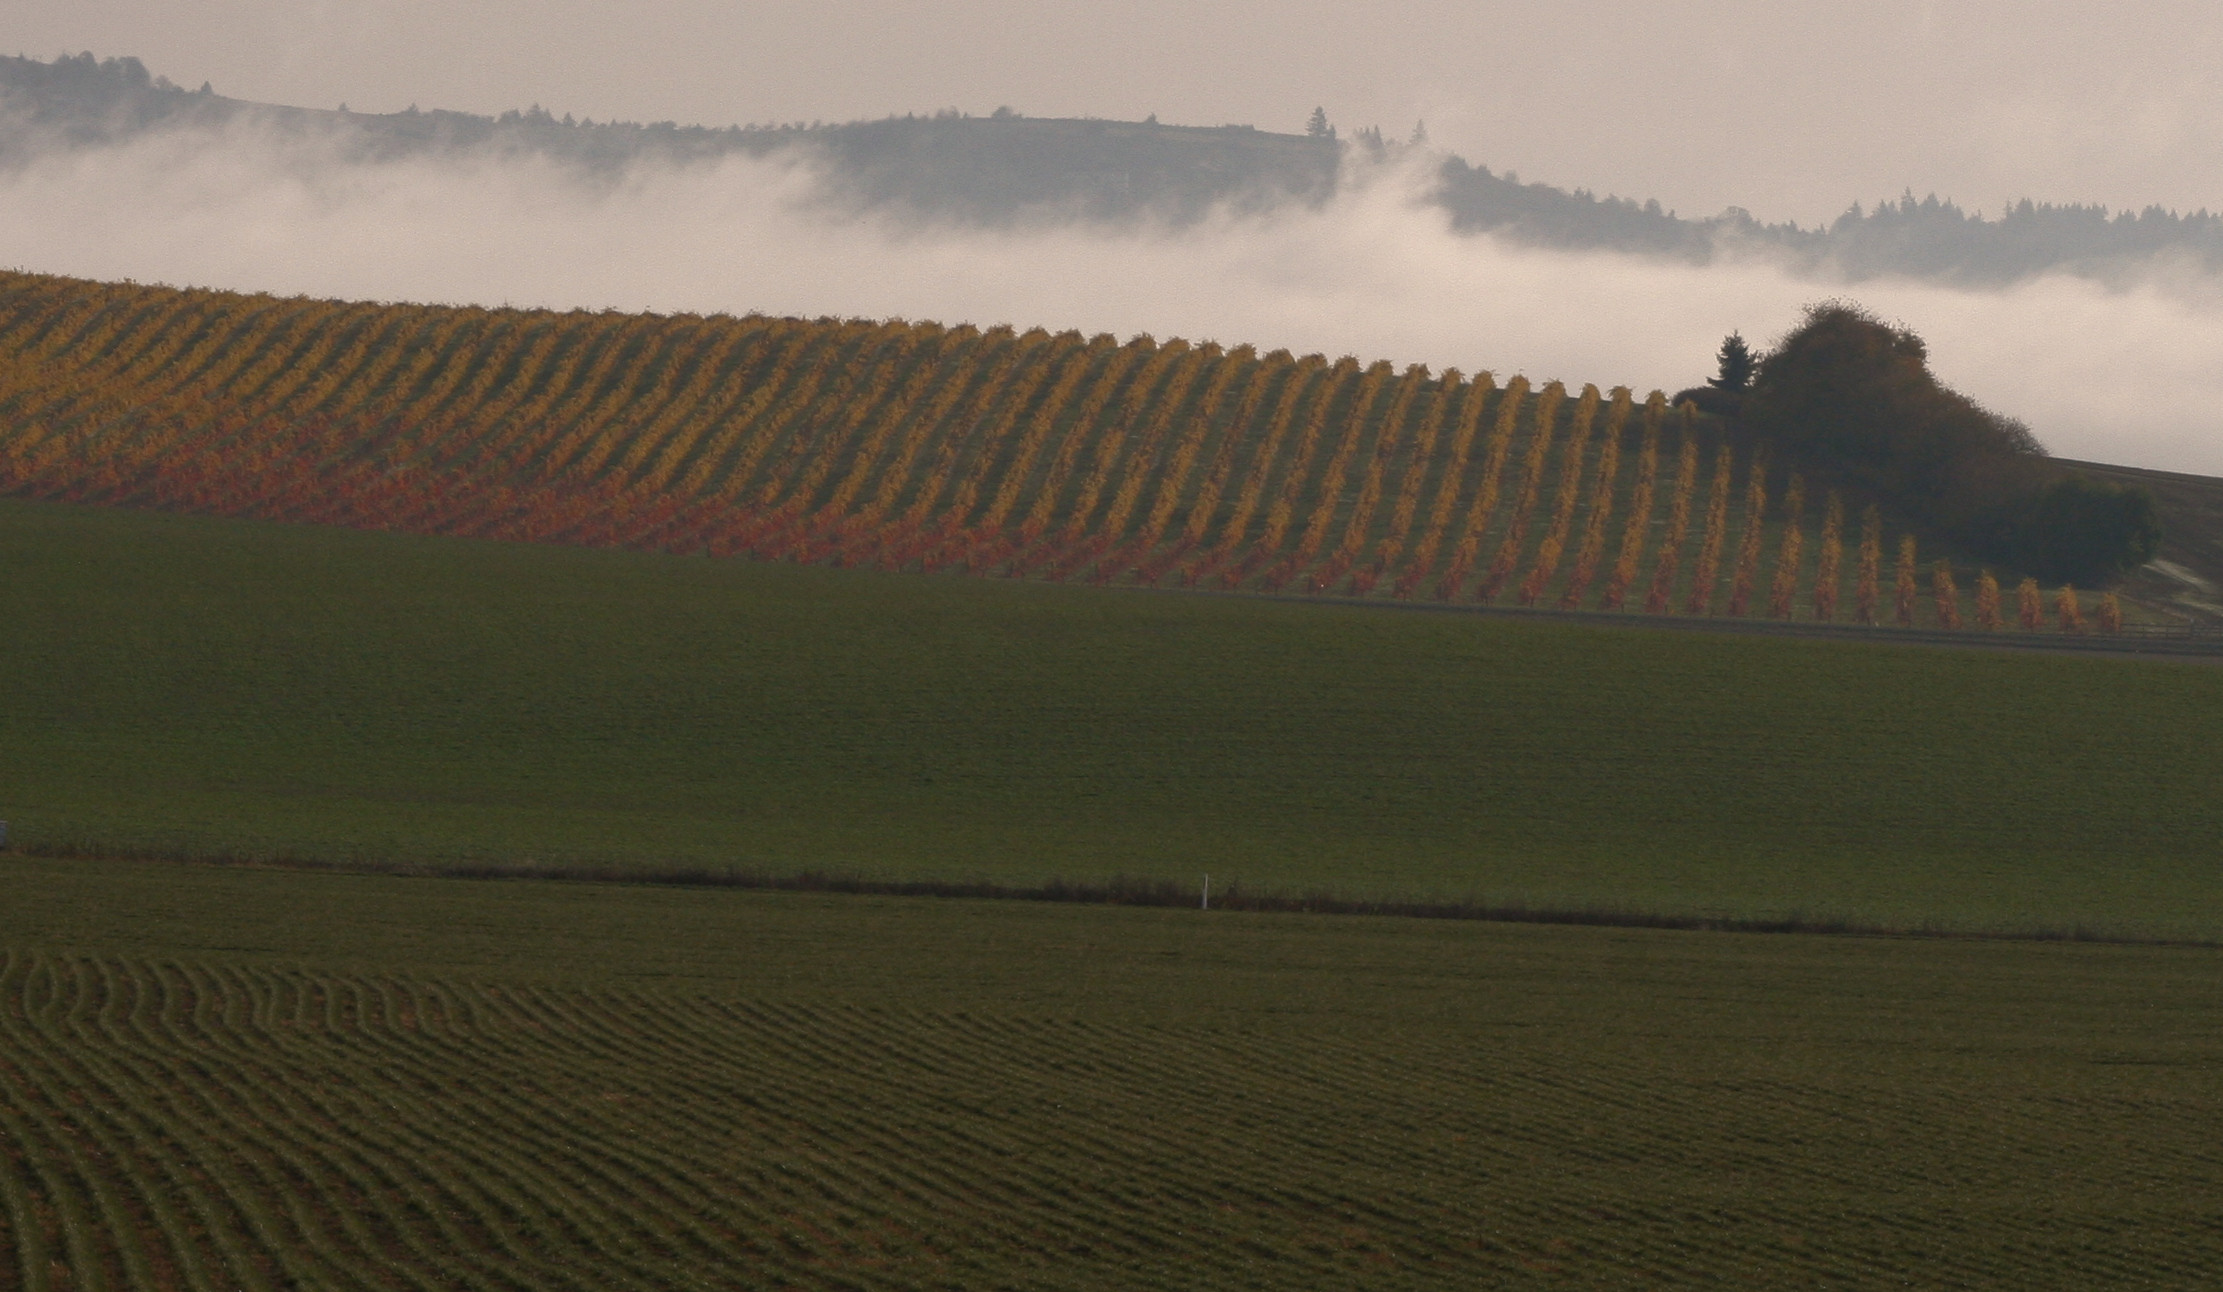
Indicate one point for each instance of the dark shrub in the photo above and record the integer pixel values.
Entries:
(1709, 399)
(2087, 531)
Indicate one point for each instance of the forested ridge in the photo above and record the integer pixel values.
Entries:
(1005, 168)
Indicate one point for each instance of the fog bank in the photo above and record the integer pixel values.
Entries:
(2123, 373)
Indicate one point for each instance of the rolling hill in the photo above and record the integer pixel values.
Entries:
(915, 446)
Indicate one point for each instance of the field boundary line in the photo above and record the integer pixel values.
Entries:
(2176, 643)
(1130, 891)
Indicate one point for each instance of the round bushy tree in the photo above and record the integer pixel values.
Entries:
(1851, 392)
(1855, 396)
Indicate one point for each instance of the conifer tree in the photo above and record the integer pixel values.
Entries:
(1737, 363)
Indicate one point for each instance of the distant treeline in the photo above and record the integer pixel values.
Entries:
(1925, 238)
(982, 170)
(1007, 168)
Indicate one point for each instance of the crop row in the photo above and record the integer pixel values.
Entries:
(187, 1125)
(916, 446)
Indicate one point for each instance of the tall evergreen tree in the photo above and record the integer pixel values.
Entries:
(1737, 364)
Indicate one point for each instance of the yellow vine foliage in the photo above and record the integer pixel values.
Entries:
(1540, 442)
(1600, 510)
(1640, 506)
(1946, 594)
(1569, 492)
(1783, 591)
(2069, 609)
(1388, 441)
(1905, 589)
(1708, 568)
(1747, 567)
(1423, 560)
(1866, 591)
(1827, 560)
(1987, 602)
(1670, 560)
(1405, 512)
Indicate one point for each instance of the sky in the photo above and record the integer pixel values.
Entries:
(1792, 109)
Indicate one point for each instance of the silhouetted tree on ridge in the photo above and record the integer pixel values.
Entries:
(1737, 363)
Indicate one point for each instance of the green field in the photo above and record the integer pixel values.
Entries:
(204, 687)
(255, 1079)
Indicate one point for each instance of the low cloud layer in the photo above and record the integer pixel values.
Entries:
(2124, 373)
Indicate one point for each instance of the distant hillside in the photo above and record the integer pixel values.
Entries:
(1007, 168)
(988, 170)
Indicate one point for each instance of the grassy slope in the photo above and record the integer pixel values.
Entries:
(220, 686)
(2191, 537)
(438, 1083)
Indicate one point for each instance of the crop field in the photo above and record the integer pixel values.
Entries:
(241, 1079)
(206, 687)
(334, 1060)
(913, 446)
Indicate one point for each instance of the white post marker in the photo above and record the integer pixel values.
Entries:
(1204, 905)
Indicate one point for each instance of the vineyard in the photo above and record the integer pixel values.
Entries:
(847, 1095)
(913, 446)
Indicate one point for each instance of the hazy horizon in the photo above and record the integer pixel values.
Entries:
(1376, 273)
(1793, 111)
